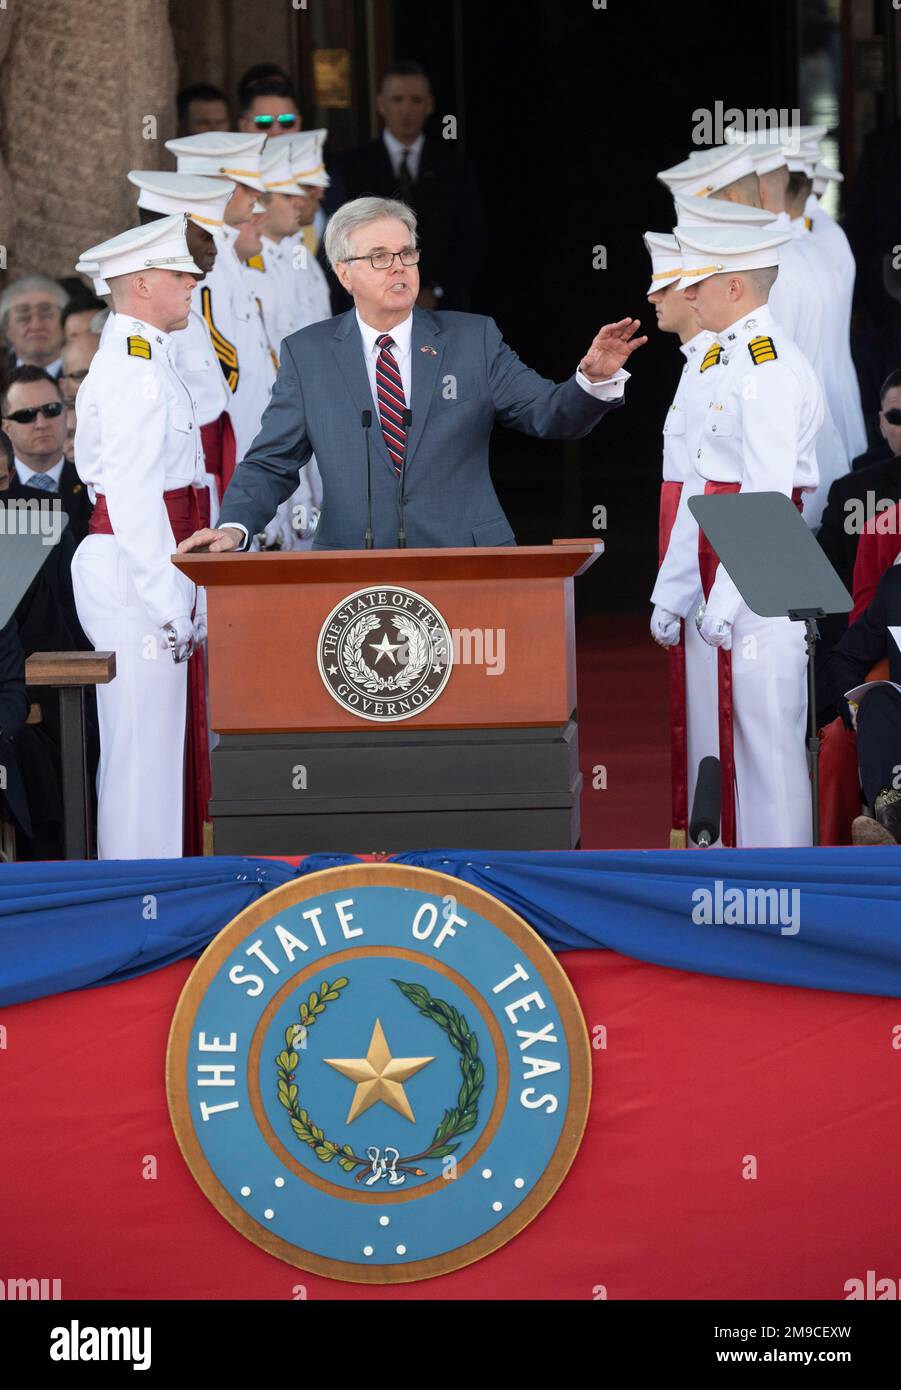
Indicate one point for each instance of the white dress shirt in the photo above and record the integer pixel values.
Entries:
(52, 368)
(396, 154)
(26, 474)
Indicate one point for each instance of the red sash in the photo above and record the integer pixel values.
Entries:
(219, 450)
(189, 511)
(708, 561)
(669, 503)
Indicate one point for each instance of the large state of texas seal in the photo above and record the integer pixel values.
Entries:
(385, 654)
(378, 1073)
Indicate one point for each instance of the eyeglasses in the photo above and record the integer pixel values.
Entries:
(892, 417)
(24, 313)
(50, 411)
(384, 260)
(285, 121)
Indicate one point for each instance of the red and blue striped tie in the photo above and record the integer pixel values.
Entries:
(392, 401)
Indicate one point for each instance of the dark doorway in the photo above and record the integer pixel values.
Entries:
(569, 111)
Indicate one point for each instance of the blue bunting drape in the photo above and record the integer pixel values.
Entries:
(73, 925)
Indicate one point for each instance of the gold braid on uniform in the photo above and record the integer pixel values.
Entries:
(225, 351)
(762, 349)
(711, 357)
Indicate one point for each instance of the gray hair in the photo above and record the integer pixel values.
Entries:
(31, 284)
(350, 217)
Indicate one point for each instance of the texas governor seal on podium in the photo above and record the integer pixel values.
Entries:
(398, 404)
(378, 1073)
(356, 640)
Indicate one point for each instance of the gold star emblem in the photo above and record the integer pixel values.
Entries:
(379, 1076)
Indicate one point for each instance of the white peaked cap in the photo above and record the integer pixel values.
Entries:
(715, 250)
(718, 212)
(275, 167)
(796, 146)
(707, 171)
(823, 175)
(224, 154)
(203, 199)
(92, 269)
(160, 245)
(666, 259)
(801, 157)
(307, 158)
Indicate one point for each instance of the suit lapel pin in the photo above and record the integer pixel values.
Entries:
(430, 350)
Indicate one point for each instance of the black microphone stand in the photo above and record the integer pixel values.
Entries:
(366, 421)
(407, 416)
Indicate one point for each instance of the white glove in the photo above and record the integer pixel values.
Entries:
(715, 631)
(200, 623)
(181, 637)
(666, 627)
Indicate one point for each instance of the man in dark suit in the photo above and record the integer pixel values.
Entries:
(430, 385)
(878, 718)
(426, 172)
(855, 499)
(34, 417)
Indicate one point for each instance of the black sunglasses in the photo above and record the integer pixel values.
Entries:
(28, 417)
(893, 416)
(266, 122)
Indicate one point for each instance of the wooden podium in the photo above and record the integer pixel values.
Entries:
(492, 762)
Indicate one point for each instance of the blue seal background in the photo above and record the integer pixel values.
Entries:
(327, 1224)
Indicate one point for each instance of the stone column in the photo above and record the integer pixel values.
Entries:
(7, 223)
(87, 92)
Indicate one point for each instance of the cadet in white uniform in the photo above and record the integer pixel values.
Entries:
(787, 192)
(294, 293)
(311, 291)
(204, 200)
(137, 439)
(677, 593)
(273, 282)
(224, 300)
(298, 517)
(828, 230)
(759, 435)
(842, 386)
(797, 299)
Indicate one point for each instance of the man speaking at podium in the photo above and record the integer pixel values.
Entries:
(398, 404)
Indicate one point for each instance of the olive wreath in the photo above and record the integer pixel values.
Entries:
(455, 1122)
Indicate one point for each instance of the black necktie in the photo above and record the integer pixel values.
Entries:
(405, 177)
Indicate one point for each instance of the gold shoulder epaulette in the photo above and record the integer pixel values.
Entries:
(256, 263)
(138, 347)
(762, 349)
(711, 357)
(225, 351)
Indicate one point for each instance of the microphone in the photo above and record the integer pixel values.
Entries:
(704, 827)
(366, 422)
(407, 416)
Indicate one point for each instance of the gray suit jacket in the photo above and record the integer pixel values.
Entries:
(464, 377)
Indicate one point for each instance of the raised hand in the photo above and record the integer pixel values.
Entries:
(611, 349)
